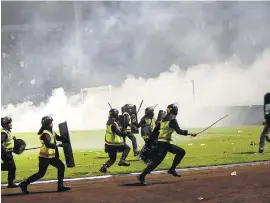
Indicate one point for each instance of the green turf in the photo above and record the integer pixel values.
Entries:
(222, 146)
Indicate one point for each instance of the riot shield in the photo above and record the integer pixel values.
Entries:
(132, 111)
(124, 121)
(19, 146)
(63, 128)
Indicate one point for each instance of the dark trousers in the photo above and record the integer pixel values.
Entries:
(8, 165)
(147, 152)
(43, 166)
(133, 140)
(264, 134)
(146, 140)
(162, 148)
(112, 151)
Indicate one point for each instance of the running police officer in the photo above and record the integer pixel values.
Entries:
(48, 155)
(114, 142)
(7, 141)
(266, 123)
(163, 135)
(147, 123)
(131, 127)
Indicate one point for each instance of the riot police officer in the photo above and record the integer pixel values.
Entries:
(147, 123)
(163, 135)
(48, 155)
(131, 127)
(7, 141)
(264, 135)
(114, 142)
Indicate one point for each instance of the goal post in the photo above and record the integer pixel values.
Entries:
(85, 92)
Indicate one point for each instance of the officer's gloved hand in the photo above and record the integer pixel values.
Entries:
(64, 139)
(134, 128)
(193, 134)
(133, 118)
(125, 133)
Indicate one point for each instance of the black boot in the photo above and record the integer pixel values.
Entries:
(23, 185)
(141, 179)
(61, 187)
(12, 185)
(136, 152)
(104, 169)
(123, 162)
(174, 173)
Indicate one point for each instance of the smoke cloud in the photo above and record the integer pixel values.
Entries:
(145, 50)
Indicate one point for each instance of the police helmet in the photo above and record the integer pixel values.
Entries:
(172, 109)
(5, 121)
(149, 111)
(46, 120)
(113, 113)
(128, 108)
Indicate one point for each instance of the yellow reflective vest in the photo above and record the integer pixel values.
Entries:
(165, 132)
(44, 151)
(151, 123)
(112, 138)
(9, 141)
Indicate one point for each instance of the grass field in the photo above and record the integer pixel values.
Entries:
(214, 147)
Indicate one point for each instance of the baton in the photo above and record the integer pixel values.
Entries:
(140, 107)
(110, 105)
(211, 125)
(32, 148)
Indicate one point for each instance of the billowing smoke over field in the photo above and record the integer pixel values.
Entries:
(144, 50)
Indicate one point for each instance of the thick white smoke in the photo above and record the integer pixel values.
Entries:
(221, 84)
(110, 40)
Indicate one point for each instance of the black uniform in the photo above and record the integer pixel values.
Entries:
(129, 132)
(8, 162)
(147, 125)
(113, 149)
(131, 129)
(162, 137)
(164, 147)
(264, 135)
(44, 162)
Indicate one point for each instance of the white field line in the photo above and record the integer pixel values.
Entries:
(154, 172)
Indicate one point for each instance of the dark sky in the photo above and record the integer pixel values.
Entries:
(113, 39)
